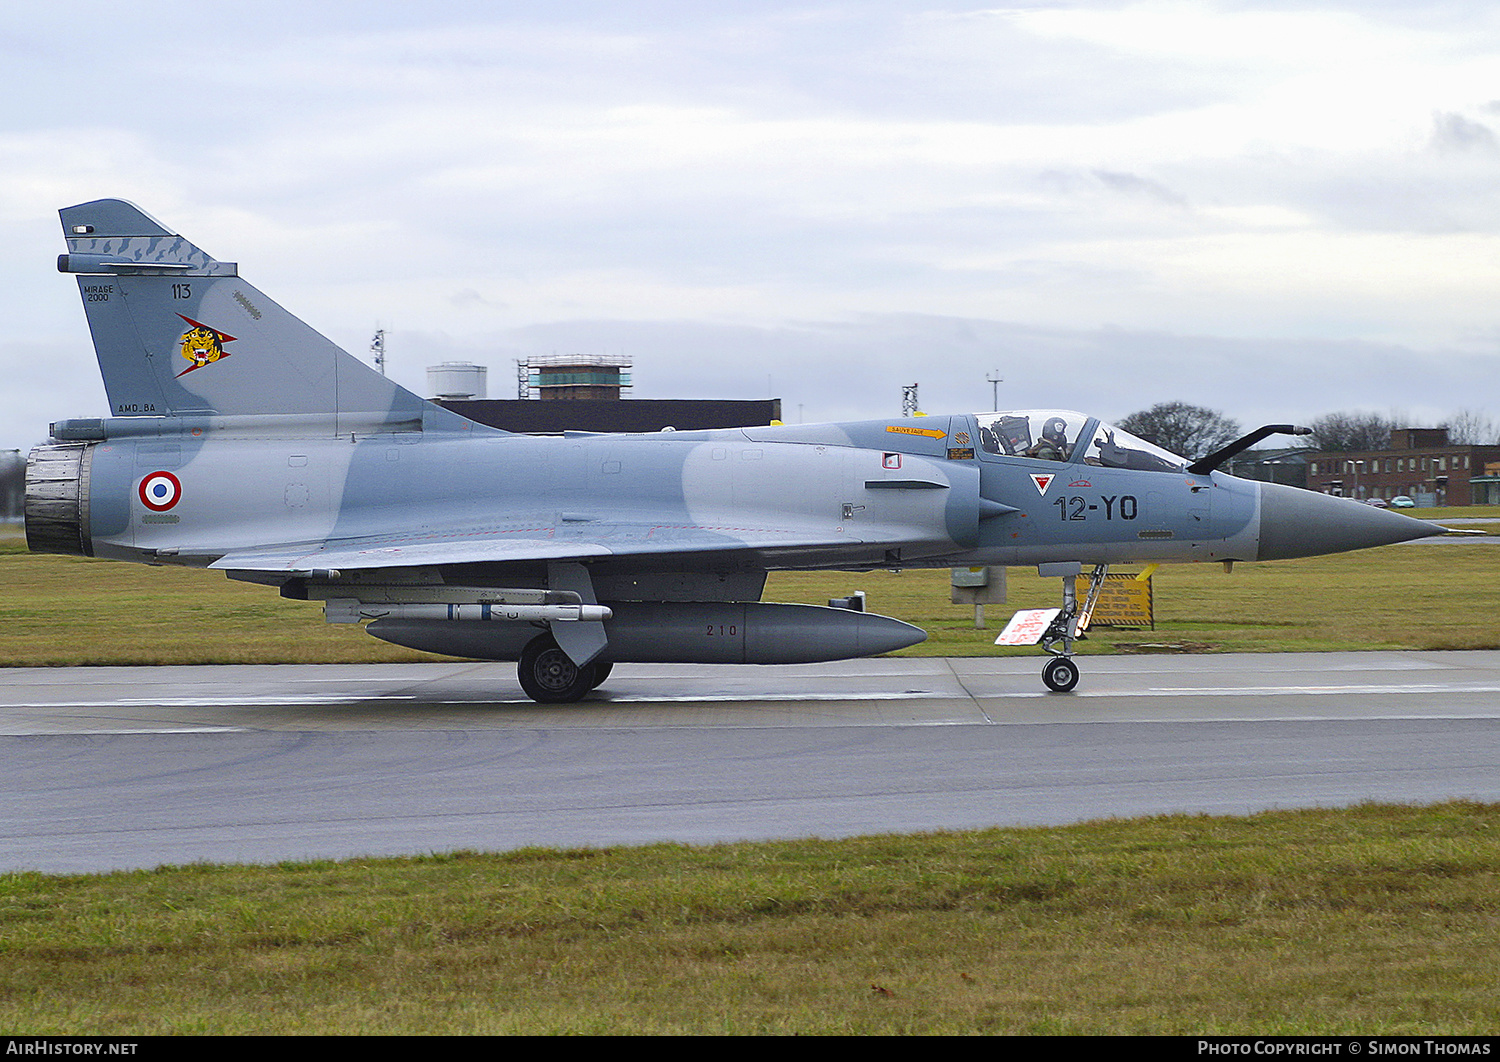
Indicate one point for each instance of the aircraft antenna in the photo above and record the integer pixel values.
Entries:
(378, 346)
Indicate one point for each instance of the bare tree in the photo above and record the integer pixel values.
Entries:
(1347, 432)
(1188, 431)
(1471, 427)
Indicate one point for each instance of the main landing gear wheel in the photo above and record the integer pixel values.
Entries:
(548, 676)
(1060, 674)
(601, 672)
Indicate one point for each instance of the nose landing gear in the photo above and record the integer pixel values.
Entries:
(1060, 674)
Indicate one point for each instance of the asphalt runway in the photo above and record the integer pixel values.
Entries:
(116, 768)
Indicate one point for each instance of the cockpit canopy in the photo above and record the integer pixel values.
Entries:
(1062, 435)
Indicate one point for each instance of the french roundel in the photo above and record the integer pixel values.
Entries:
(160, 491)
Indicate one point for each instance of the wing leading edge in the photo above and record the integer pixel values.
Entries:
(404, 551)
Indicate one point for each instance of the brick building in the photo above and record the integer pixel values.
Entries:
(1420, 463)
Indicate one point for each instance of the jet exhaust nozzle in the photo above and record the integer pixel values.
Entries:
(57, 499)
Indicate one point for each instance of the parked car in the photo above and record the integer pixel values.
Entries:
(1379, 503)
(1401, 501)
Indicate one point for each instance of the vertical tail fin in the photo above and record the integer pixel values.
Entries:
(178, 333)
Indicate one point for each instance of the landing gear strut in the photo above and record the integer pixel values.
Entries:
(1060, 673)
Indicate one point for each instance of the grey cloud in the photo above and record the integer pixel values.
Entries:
(854, 369)
(840, 370)
(1453, 132)
(1133, 184)
(374, 154)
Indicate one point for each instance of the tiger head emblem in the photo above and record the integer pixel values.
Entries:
(201, 345)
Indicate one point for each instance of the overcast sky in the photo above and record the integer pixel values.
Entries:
(1276, 210)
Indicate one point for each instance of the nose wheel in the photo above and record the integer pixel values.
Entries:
(1057, 628)
(1060, 674)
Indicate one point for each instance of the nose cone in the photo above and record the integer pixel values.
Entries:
(1303, 523)
(882, 634)
(802, 634)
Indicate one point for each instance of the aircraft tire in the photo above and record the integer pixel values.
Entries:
(1060, 674)
(601, 672)
(549, 677)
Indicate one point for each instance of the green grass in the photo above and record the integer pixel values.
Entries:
(74, 611)
(1397, 597)
(1449, 513)
(1377, 920)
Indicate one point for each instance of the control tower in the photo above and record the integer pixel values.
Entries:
(576, 376)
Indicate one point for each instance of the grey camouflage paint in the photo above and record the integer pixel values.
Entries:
(299, 466)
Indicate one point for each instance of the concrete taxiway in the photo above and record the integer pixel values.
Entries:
(112, 768)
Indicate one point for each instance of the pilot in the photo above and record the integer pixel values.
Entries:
(1053, 445)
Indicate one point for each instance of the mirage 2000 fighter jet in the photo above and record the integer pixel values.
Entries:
(240, 439)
